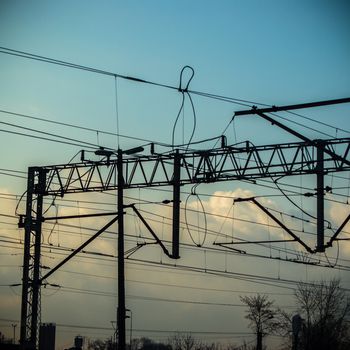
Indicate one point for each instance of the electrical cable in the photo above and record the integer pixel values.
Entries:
(203, 270)
(177, 118)
(13, 175)
(159, 284)
(318, 122)
(302, 125)
(46, 59)
(117, 109)
(74, 126)
(46, 139)
(109, 255)
(51, 134)
(194, 120)
(297, 206)
(192, 210)
(233, 100)
(147, 298)
(99, 131)
(153, 203)
(184, 93)
(248, 254)
(291, 193)
(200, 243)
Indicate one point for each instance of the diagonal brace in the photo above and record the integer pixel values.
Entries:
(318, 145)
(226, 245)
(76, 251)
(149, 228)
(296, 238)
(340, 228)
(78, 216)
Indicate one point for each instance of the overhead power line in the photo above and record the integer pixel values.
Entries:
(45, 138)
(97, 131)
(46, 120)
(46, 59)
(94, 327)
(83, 143)
(238, 101)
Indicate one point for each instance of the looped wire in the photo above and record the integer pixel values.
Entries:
(189, 80)
(184, 92)
(193, 190)
(205, 229)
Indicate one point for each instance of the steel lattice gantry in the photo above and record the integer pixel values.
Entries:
(246, 162)
(223, 164)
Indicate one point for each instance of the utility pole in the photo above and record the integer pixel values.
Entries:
(176, 205)
(121, 262)
(320, 196)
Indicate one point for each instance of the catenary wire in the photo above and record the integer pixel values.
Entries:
(46, 59)
(51, 134)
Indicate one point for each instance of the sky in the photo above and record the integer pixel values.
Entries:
(264, 52)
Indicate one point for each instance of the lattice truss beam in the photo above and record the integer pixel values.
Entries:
(223, 164)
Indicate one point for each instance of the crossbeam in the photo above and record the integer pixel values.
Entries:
(274, 109)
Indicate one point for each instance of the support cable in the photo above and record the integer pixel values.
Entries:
(318, 122)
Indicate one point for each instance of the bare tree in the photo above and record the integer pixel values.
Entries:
(99, 344)
(325, 309)
(181, 341)
(260, 314)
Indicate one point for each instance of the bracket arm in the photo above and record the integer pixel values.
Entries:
(318, 145)
(340, 228)
(76, 251)
(149, 228)
(296, 238)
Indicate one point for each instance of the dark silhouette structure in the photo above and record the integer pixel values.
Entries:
(47, 336)
(176, 168)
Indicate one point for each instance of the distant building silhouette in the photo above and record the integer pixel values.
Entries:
(47, 336)
(78, 343)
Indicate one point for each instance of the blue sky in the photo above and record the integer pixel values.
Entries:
(271, 52)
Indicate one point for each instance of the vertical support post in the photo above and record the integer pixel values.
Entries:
(176, 206)
(26, 259)
(36, 300)
(320, 197)
(121, 272)
(30, 309)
